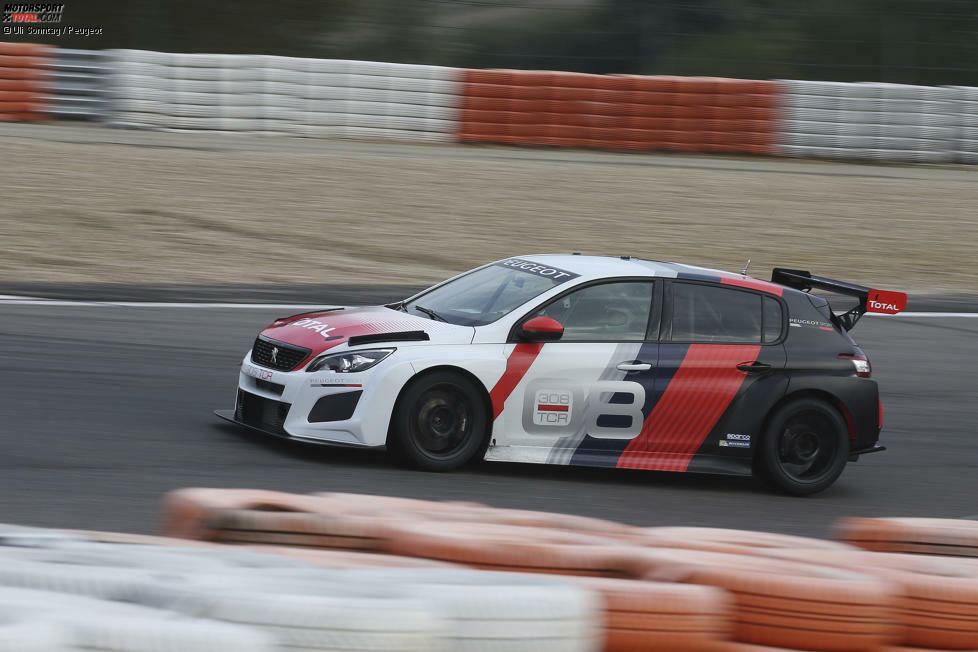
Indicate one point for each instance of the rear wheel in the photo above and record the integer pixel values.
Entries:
(439, 423)
(805, 446)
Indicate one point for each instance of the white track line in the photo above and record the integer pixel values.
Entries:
(7, 300)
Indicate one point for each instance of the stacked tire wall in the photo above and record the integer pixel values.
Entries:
(77, 84)
(321, 98)
(333, 98)
(886, 122)
(625, 112)
(24, 81)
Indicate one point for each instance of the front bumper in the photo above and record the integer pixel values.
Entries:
(323, 407)
(231, 416)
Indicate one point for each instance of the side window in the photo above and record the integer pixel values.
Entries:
(708, 313)
(608, 312)
(772, 319)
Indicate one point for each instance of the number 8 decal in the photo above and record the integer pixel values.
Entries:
(615, 410)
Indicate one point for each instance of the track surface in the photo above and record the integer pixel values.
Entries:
(105, 408)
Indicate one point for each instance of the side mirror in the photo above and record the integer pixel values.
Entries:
(540, 329)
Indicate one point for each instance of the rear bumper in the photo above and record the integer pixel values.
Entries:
(875, 448)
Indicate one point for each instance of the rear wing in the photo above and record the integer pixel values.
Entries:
(870, 300)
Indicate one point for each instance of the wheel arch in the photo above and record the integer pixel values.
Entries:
(483, 391)
(810, 393)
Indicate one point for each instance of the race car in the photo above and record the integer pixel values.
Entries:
(607, 361)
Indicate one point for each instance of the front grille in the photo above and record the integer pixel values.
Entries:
(262, 413)
(277, 355)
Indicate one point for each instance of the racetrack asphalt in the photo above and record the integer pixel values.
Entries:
(104, 408)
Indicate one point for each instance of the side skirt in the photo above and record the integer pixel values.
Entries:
(712, 464)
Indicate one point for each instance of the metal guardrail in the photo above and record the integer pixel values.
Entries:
(78, 84)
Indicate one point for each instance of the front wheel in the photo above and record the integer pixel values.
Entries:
(805, 446)
(439, 423)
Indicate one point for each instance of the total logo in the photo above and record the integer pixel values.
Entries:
(887, 303)
(879, 305)
(315, 325)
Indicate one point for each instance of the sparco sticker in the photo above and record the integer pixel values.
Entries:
(530, 267)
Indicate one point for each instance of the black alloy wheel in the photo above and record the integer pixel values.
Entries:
(805, 446)
(439, 423)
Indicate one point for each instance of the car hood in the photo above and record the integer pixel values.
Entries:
(328, 329)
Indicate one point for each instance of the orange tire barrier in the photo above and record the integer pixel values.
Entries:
(640, 616)
(308, 530)
(23, 81)
(781, 603)
(934, 536)
(528, 518)
(344, 559)
(188, 513)
(733, 646)
(939, 606)
(624, 112)
(744, 542)
(511, 548)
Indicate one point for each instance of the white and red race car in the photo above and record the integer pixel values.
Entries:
(570, 359)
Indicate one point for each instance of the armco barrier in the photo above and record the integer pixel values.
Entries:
(23, 81)
(626, 112)
(77, 84)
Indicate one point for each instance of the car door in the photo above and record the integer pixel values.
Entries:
(574, 398)
(720, 369)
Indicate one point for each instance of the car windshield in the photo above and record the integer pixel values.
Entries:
(484, 295)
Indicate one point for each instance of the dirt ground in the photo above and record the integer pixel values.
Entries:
(87, 204)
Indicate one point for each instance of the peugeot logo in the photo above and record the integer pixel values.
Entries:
(275, 354)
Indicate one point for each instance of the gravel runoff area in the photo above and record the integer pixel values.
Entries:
(87, 204)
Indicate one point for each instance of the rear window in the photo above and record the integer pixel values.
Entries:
(773, 319)
(708, 313)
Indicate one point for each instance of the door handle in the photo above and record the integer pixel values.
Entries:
(634, 365)
(754, 367)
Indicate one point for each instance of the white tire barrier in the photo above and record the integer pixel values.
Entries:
(283, 95)
(33, 636)
(872, 121)
(503, 611)
(321, 616)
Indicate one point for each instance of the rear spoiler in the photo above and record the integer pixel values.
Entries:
(870, 300)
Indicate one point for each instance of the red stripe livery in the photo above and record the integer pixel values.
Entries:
(697, 396)
(517, 364)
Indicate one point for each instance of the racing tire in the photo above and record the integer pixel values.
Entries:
(805, 447)
(439, 422)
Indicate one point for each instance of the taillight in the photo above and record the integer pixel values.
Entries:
(861, 363)
(879, 405)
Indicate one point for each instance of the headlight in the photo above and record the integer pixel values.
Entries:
(350, 362)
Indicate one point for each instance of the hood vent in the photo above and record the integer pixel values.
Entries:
(402, 336)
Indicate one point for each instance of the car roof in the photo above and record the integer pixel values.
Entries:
(596, 267)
